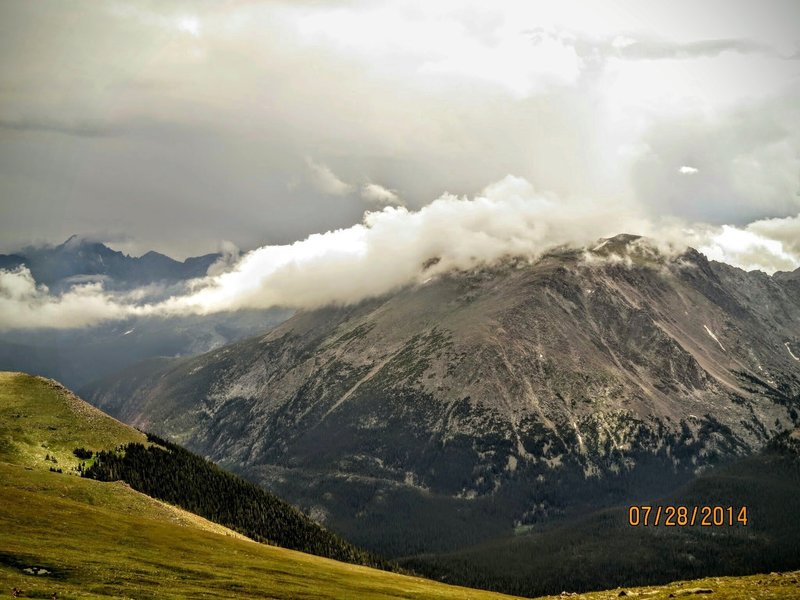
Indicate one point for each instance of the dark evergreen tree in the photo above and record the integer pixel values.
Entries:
(170, 473)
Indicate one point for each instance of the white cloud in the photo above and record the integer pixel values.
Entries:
(190, 25)
(377, 194)
(24, 304)
(786, 231)
(229, 257)
(687, 170)
(749, 250)
(326, 181)
(388, 249)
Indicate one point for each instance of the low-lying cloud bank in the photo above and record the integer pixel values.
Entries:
(388, 250)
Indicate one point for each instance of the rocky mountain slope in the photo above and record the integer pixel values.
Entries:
(454, 410)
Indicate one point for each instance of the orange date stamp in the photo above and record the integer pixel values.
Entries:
(687, 516)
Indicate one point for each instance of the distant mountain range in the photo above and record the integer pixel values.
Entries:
(490, 401)
(77, 356)
(80, 259)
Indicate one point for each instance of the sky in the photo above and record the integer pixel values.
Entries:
(185, 127)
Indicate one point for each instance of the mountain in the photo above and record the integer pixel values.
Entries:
(484, 401)
(65, 536)
(77, 356)
(11, 261)
(80, 259)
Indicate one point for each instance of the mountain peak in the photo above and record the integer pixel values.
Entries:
(71, 241)
(81, 243)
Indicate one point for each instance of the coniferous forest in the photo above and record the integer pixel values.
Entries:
(170, 473)
(603, 551)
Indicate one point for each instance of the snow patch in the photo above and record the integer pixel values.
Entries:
(512, 463)
(713, 337)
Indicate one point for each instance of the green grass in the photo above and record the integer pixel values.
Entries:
(777, 586)
(101, 540)
(39, 417)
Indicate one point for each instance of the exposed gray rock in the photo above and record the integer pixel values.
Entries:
(518, 388)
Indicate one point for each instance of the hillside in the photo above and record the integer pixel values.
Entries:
(105, 541)
(477, 402)
(46, 426)
(601, 550)
(42, 422)
(88, 539)
(168, 472)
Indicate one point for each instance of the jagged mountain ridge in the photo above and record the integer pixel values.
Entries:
(80, 259)
(510, 385)
(78, 355)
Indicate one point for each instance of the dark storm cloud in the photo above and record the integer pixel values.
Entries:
(175, 126)
(84, 128)
(180, 124)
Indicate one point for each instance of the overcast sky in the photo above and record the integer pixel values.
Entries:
(177, 125)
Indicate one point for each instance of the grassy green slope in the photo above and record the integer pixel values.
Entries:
(42, 424)
(39, 417)
(105, 540)
(84, 538)
(775, 586)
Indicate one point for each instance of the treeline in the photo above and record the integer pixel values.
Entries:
(597, 560)
(172, 474)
